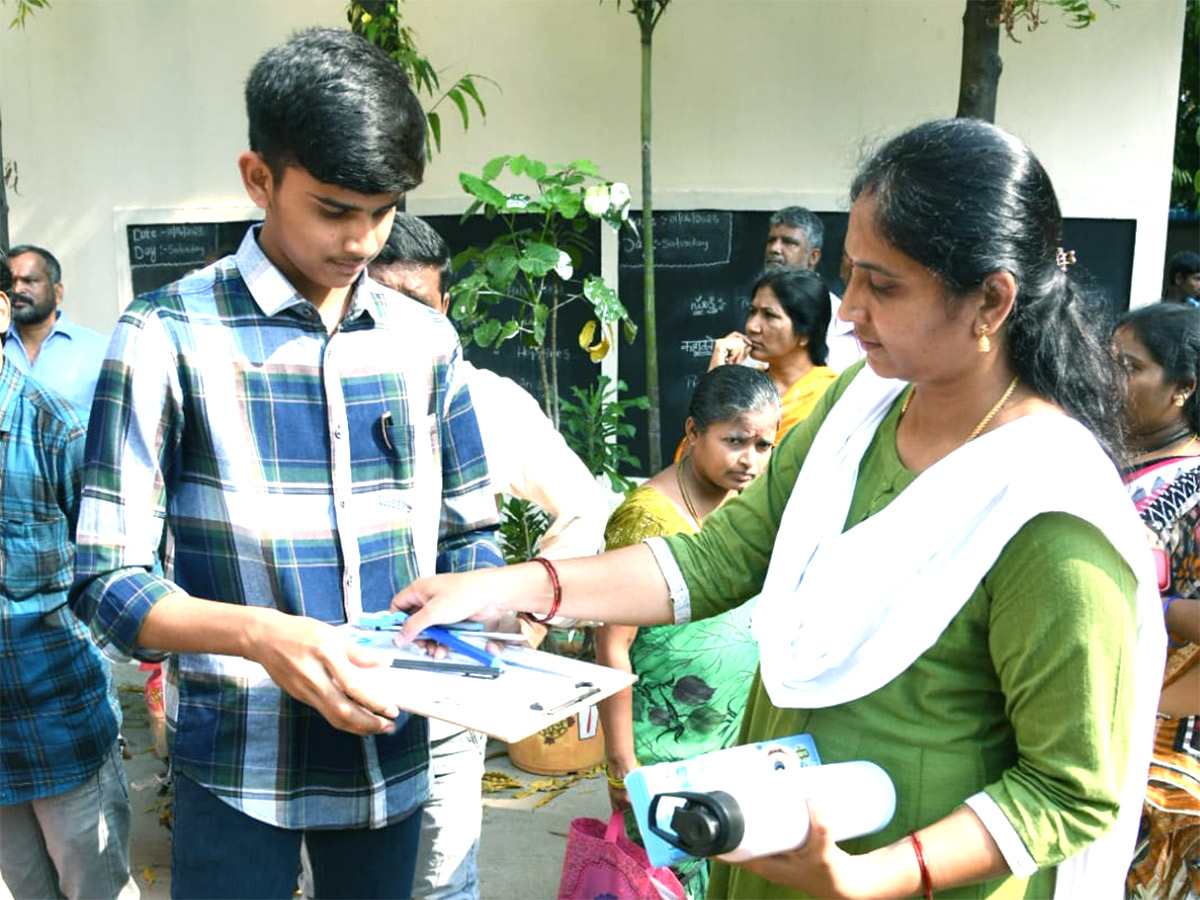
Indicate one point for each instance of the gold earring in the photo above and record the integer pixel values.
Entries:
(1180, 399)
(985, 345)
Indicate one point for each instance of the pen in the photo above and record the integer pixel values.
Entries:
(385, 422)
(386, 621)
(458, 645)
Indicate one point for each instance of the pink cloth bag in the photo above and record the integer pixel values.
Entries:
(603, 864)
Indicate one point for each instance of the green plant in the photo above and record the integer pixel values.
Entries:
(518, 283)
(522, 524)
(595, 429)
(381, 23)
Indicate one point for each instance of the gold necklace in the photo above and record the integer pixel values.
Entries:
(985, 421)
(683, 491)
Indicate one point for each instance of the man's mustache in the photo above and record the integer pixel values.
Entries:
(23, 298)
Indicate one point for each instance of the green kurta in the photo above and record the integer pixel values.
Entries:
(1026, 695)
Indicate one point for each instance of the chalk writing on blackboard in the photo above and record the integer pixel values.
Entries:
(168, 245)
(698, 348)
(708, 305)
(684, 239)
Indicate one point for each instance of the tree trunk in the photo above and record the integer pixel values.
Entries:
(4, 244)
(650, 323)
(981, 64)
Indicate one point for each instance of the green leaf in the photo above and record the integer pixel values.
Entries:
(604, 299)
(516, 164)
(535, 169)
(564, 201)
(538, 259)
(629, 330)
(586, 166)
(502, 266)
(510, 329)
(435, 130)
(456, 98)
(485, 332)
(467, 83)
(476, 187)
(494, 167)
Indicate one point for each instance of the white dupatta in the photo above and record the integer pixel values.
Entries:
(926, 551)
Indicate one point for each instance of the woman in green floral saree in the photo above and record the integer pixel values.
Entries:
(692, 681)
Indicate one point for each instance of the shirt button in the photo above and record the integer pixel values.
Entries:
(341, 504)
(350, 580)
(337, 432)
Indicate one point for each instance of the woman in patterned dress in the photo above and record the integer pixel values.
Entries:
(1160, 347)
(692, 681)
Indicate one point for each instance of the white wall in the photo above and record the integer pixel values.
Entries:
(137, 103)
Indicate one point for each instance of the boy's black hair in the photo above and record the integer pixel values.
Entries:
(414, 242)
(336, 105)
(6, 275)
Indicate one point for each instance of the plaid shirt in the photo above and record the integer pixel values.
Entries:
(312, 473)
(58, 718)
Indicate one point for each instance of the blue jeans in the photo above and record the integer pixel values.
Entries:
(217, 851)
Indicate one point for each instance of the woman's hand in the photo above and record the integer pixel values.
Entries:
(729, 350)
(443, 599)
(616, 770)
(822, 869)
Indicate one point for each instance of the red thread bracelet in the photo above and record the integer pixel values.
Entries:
(926, 881)
(553, 573)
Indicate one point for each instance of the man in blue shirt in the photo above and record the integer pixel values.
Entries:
(64, 803)
(43, 342)
(309, 441)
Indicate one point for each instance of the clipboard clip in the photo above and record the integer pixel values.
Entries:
(583, 690)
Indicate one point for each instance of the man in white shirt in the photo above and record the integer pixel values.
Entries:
(794, 238)
(526, 458)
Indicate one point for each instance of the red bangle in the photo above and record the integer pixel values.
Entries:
(553, 573)
(926, 881)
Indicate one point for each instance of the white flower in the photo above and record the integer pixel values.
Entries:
(564, 268)
(595, 200)
(619, 195)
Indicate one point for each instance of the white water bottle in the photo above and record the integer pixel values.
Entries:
(763, 809)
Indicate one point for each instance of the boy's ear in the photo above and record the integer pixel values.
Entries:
(257, 177)
(445, 310)
(5, 315)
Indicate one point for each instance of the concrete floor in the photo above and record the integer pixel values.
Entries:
(521, 850)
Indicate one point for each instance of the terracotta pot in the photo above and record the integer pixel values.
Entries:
(572, 745)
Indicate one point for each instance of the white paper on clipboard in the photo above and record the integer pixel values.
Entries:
(518, 703)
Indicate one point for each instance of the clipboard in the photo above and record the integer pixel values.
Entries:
(529, 691)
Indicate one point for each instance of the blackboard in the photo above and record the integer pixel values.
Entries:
(162, 253)
(706, 260)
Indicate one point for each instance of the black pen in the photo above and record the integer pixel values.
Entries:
(385, 422)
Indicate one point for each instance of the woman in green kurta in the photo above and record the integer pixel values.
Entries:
(692, 681)
(953, 584)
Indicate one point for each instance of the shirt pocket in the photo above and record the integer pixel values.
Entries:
(37, 559)
(412, 448)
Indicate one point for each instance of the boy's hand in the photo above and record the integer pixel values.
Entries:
(315, 664)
